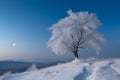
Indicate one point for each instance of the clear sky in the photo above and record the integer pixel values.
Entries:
(24, 26)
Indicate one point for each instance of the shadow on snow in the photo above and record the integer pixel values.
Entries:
(83, 75)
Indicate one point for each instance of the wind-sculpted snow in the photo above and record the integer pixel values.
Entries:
(116, 65)
(108, 69)
(102, 70)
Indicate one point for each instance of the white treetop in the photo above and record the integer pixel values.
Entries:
(78, 30)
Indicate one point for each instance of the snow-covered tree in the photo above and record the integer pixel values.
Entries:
(6, 76)
(76, 31)
(32, 68)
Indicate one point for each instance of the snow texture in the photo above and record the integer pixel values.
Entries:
(78, 30)
(108, 69)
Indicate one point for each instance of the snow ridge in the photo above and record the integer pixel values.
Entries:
(84, 70)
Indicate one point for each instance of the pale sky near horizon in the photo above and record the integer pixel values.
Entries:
(24, 26)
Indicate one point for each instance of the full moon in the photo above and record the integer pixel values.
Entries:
(14, 44)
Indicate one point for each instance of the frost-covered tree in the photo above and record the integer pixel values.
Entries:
(6, 76)
(76, 31)
(32, 68)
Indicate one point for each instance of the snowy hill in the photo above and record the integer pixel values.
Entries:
(107, 69)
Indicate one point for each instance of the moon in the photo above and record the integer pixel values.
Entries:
(14, 44)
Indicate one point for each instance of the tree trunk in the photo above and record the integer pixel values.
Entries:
(76, 54)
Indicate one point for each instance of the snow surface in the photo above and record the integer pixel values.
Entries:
(107, 69)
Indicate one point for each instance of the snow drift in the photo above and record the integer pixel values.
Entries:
(107, 69)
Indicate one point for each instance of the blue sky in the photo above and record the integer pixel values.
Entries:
(26, 23)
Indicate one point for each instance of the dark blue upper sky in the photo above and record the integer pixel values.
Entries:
(26, 23)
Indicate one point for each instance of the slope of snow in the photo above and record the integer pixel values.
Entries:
(84, 70)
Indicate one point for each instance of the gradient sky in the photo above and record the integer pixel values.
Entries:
(26, 23)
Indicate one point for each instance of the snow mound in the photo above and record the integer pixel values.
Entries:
(84, 70)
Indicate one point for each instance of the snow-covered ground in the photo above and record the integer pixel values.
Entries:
(107, 69)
